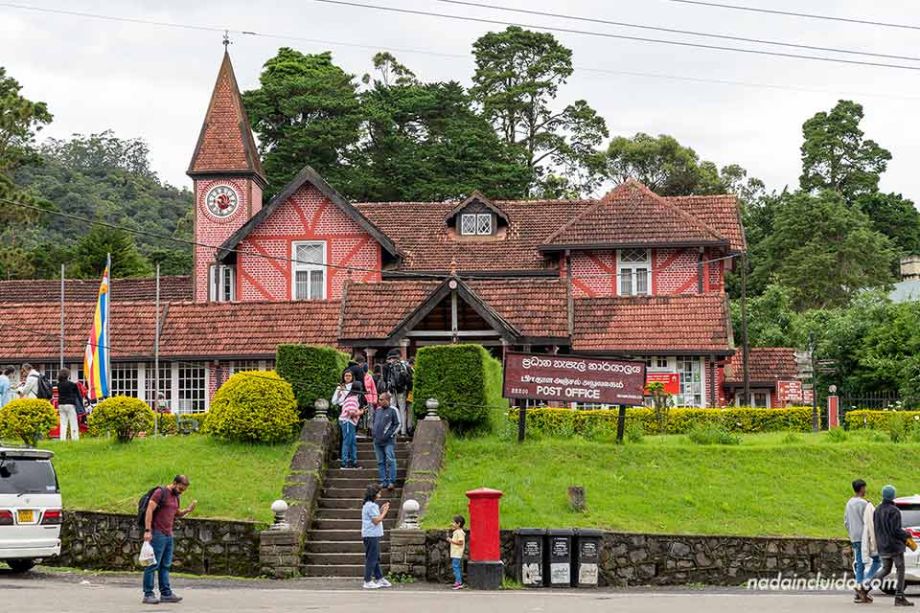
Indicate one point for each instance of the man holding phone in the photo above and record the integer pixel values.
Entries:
(162, 511)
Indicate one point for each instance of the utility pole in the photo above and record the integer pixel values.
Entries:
(815, 423)
(745, 345)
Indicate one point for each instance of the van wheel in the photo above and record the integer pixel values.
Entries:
(21, 566)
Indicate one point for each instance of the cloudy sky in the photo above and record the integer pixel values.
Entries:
(153, 82)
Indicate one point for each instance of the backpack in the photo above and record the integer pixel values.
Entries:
(400, 377)
(43, 389)
(142, 505)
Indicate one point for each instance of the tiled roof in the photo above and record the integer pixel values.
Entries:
(78, 290)
(721, 213)
(535, 307)
(633, 215)
(768, 365)
(226, 143)
(422, 236)
(372, 310)
(246, 328)
(646, 325)
(31, 331)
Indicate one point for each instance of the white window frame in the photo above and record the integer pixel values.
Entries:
(182, 406)
(688, 389)
(629, 273)
(468, 224)
(222, 283)
(476, 224)
(739, 398)
(308, 268)
(484, 224)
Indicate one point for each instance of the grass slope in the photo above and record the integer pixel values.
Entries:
(769, 485)
(229, 480)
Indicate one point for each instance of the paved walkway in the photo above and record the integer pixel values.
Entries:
(80, 592)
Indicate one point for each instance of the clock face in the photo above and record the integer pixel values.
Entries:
(222, 201)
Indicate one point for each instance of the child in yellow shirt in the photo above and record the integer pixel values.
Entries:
(457, 540)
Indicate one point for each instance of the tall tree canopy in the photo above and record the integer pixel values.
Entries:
(896, 217)
(305, 111)
(88, 256)
(663, 164)
(517, 79)
(837, 156)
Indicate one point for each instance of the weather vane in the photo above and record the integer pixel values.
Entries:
(226, 38)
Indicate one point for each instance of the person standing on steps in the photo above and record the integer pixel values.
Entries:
(347, 396)
(385, 426)
(372, 516)
(397, 379)
(162, 511)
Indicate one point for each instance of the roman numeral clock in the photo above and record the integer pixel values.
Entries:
(222, 201)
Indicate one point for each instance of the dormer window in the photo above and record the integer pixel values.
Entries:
(476, 224)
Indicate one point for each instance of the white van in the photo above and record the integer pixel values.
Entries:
(30, 508)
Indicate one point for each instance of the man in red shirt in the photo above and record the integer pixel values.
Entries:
(162, 511)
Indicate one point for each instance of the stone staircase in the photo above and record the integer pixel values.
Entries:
(334, 547)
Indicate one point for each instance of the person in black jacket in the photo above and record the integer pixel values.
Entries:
(892, 540)
(69, 399)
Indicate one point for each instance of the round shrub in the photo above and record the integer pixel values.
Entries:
(168, 423)
(254, 407)
(122, 416)
(27, 418)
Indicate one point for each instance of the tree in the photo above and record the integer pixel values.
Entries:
(424, 142)
(836, 156)
(661, 163)
(89, 255)
(771, 318)
(517, 79)
(895, 217)
(824, 251)
(305, 111)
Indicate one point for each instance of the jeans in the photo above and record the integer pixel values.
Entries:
(372, 559)
(457, 564)
(349, 444)
(69, 418)
(859, 567)
(399, 399)
(163, 549)
(887, 562)
(386, 461)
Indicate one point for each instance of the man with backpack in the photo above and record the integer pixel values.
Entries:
(158, 510)
(397, 378)
(34, 384)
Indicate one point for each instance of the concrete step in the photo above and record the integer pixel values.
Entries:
(358, 492)
(352, 513)
(320, 570)
(311, 547)
(349, 535)
(340, 503)
(352, 482)
(349, 524)
(341, 559)
(367, 473)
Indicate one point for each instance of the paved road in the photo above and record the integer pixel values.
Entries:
(77, 592)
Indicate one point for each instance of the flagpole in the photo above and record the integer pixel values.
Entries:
(61, 365)
(156, 362)
(108, 341)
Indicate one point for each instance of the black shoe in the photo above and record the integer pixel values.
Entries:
(170, 598)
(900, 601)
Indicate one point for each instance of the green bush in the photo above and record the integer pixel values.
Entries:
(254, 406)
(122, 416)
(837, 435)
(713, 435)
(167, 424)
(634, 433)
(866, 419)
(466, 381)
(312, 371)
(27, 418)
(568, 422)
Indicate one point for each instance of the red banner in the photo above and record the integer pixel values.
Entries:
(671, 381)
(569, 378)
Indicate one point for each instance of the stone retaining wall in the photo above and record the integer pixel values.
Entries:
(652, 559)
(427, 450)
(202, 546)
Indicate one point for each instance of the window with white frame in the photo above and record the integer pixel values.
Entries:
(309, 270)
(657, 363)
(473, 224)
(244, 365)
(759, 399)
(691, 382)
(192, 387)
(163, 384)
(223, 283)
(124, 379)
(633, 266)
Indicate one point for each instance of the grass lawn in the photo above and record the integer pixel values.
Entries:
(770, 484)
(229, 480)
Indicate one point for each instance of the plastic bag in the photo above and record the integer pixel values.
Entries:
(147, 557)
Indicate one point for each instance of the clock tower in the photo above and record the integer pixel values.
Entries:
(228, 180)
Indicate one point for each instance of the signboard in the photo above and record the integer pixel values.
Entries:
(794, 393)
(671, 381)
(567, 378)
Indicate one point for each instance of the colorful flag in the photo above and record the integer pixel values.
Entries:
(96, 365)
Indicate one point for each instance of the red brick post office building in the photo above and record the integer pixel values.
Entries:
(629, 274)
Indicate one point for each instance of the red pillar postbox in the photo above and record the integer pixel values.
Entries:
(485, 568)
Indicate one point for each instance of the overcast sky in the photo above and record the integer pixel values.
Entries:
(154, 82)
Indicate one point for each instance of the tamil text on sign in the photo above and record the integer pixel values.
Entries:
(573, 379)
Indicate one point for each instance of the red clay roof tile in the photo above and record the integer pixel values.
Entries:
(79, 290)
(768, 365)
(721, 213)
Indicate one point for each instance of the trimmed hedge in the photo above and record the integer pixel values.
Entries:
(313, 372)
(28, 419)
(465, 379)
(122, 416)
(680, 420)
(255, 407)
(867, 419)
